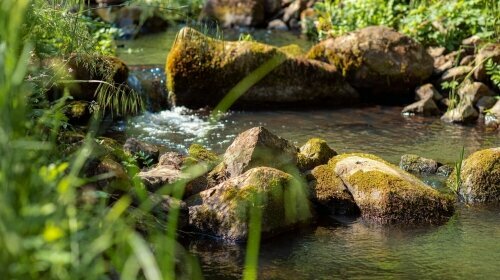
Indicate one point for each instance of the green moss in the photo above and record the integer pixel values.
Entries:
(292, 50)
(480, 177)
(345, 62)
(200, 153)
(201, 71)
(315, 152)
(78, 109)
(393, 195)
(333, 161)
(328, 186)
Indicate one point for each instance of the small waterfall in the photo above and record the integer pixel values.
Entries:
(150, 82)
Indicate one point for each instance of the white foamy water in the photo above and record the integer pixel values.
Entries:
(177, 128)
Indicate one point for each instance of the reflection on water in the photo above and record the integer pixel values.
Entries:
(466, 247)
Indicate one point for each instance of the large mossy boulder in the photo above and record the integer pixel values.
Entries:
(201, 71)
(254, 148)
(479, 177)
(386, 194)
(377, 60)
(280, 202)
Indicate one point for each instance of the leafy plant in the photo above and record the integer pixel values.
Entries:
(337, 17)
(453, 96)
(447, 23)
(493, 70)
(144, 158)
(432, 22)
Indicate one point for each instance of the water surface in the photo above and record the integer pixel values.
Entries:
(466, 247)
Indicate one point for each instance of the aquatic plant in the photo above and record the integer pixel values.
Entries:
(458, 172)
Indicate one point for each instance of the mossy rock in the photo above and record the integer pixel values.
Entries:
(479, 177)
(418, 164)
(198, 154)
(377, 60)
(313, 153)
(256, 147)
(225, 210)
(388, 195)
(328, 190)
(201, 70)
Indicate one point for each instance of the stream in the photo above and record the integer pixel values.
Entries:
(467, 246)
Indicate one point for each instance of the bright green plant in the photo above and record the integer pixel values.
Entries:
(55, 31)
(337, 17)
(458, 173)
(447, 23)
(432, 22)
(493, 70)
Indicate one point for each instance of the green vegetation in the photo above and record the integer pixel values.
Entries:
(493, 71)
(458, 173)
(431, 22)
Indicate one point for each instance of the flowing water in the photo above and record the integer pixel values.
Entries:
(467, 246)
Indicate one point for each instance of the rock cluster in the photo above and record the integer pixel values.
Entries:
(460, 85)
(265, 176)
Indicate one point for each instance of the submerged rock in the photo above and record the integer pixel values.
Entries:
(386, 194)
(313, 153)
(377, 60)
(479, 177)
(328, 190)
(254, 148)
(418, 164)
(225, 210)
(201, 71)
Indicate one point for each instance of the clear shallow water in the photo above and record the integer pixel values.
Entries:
(153, 48)
(466, 247)
(379, 130)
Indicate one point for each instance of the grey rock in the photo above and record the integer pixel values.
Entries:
(417, 164)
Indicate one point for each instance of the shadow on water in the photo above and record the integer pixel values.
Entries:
(465, 247)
